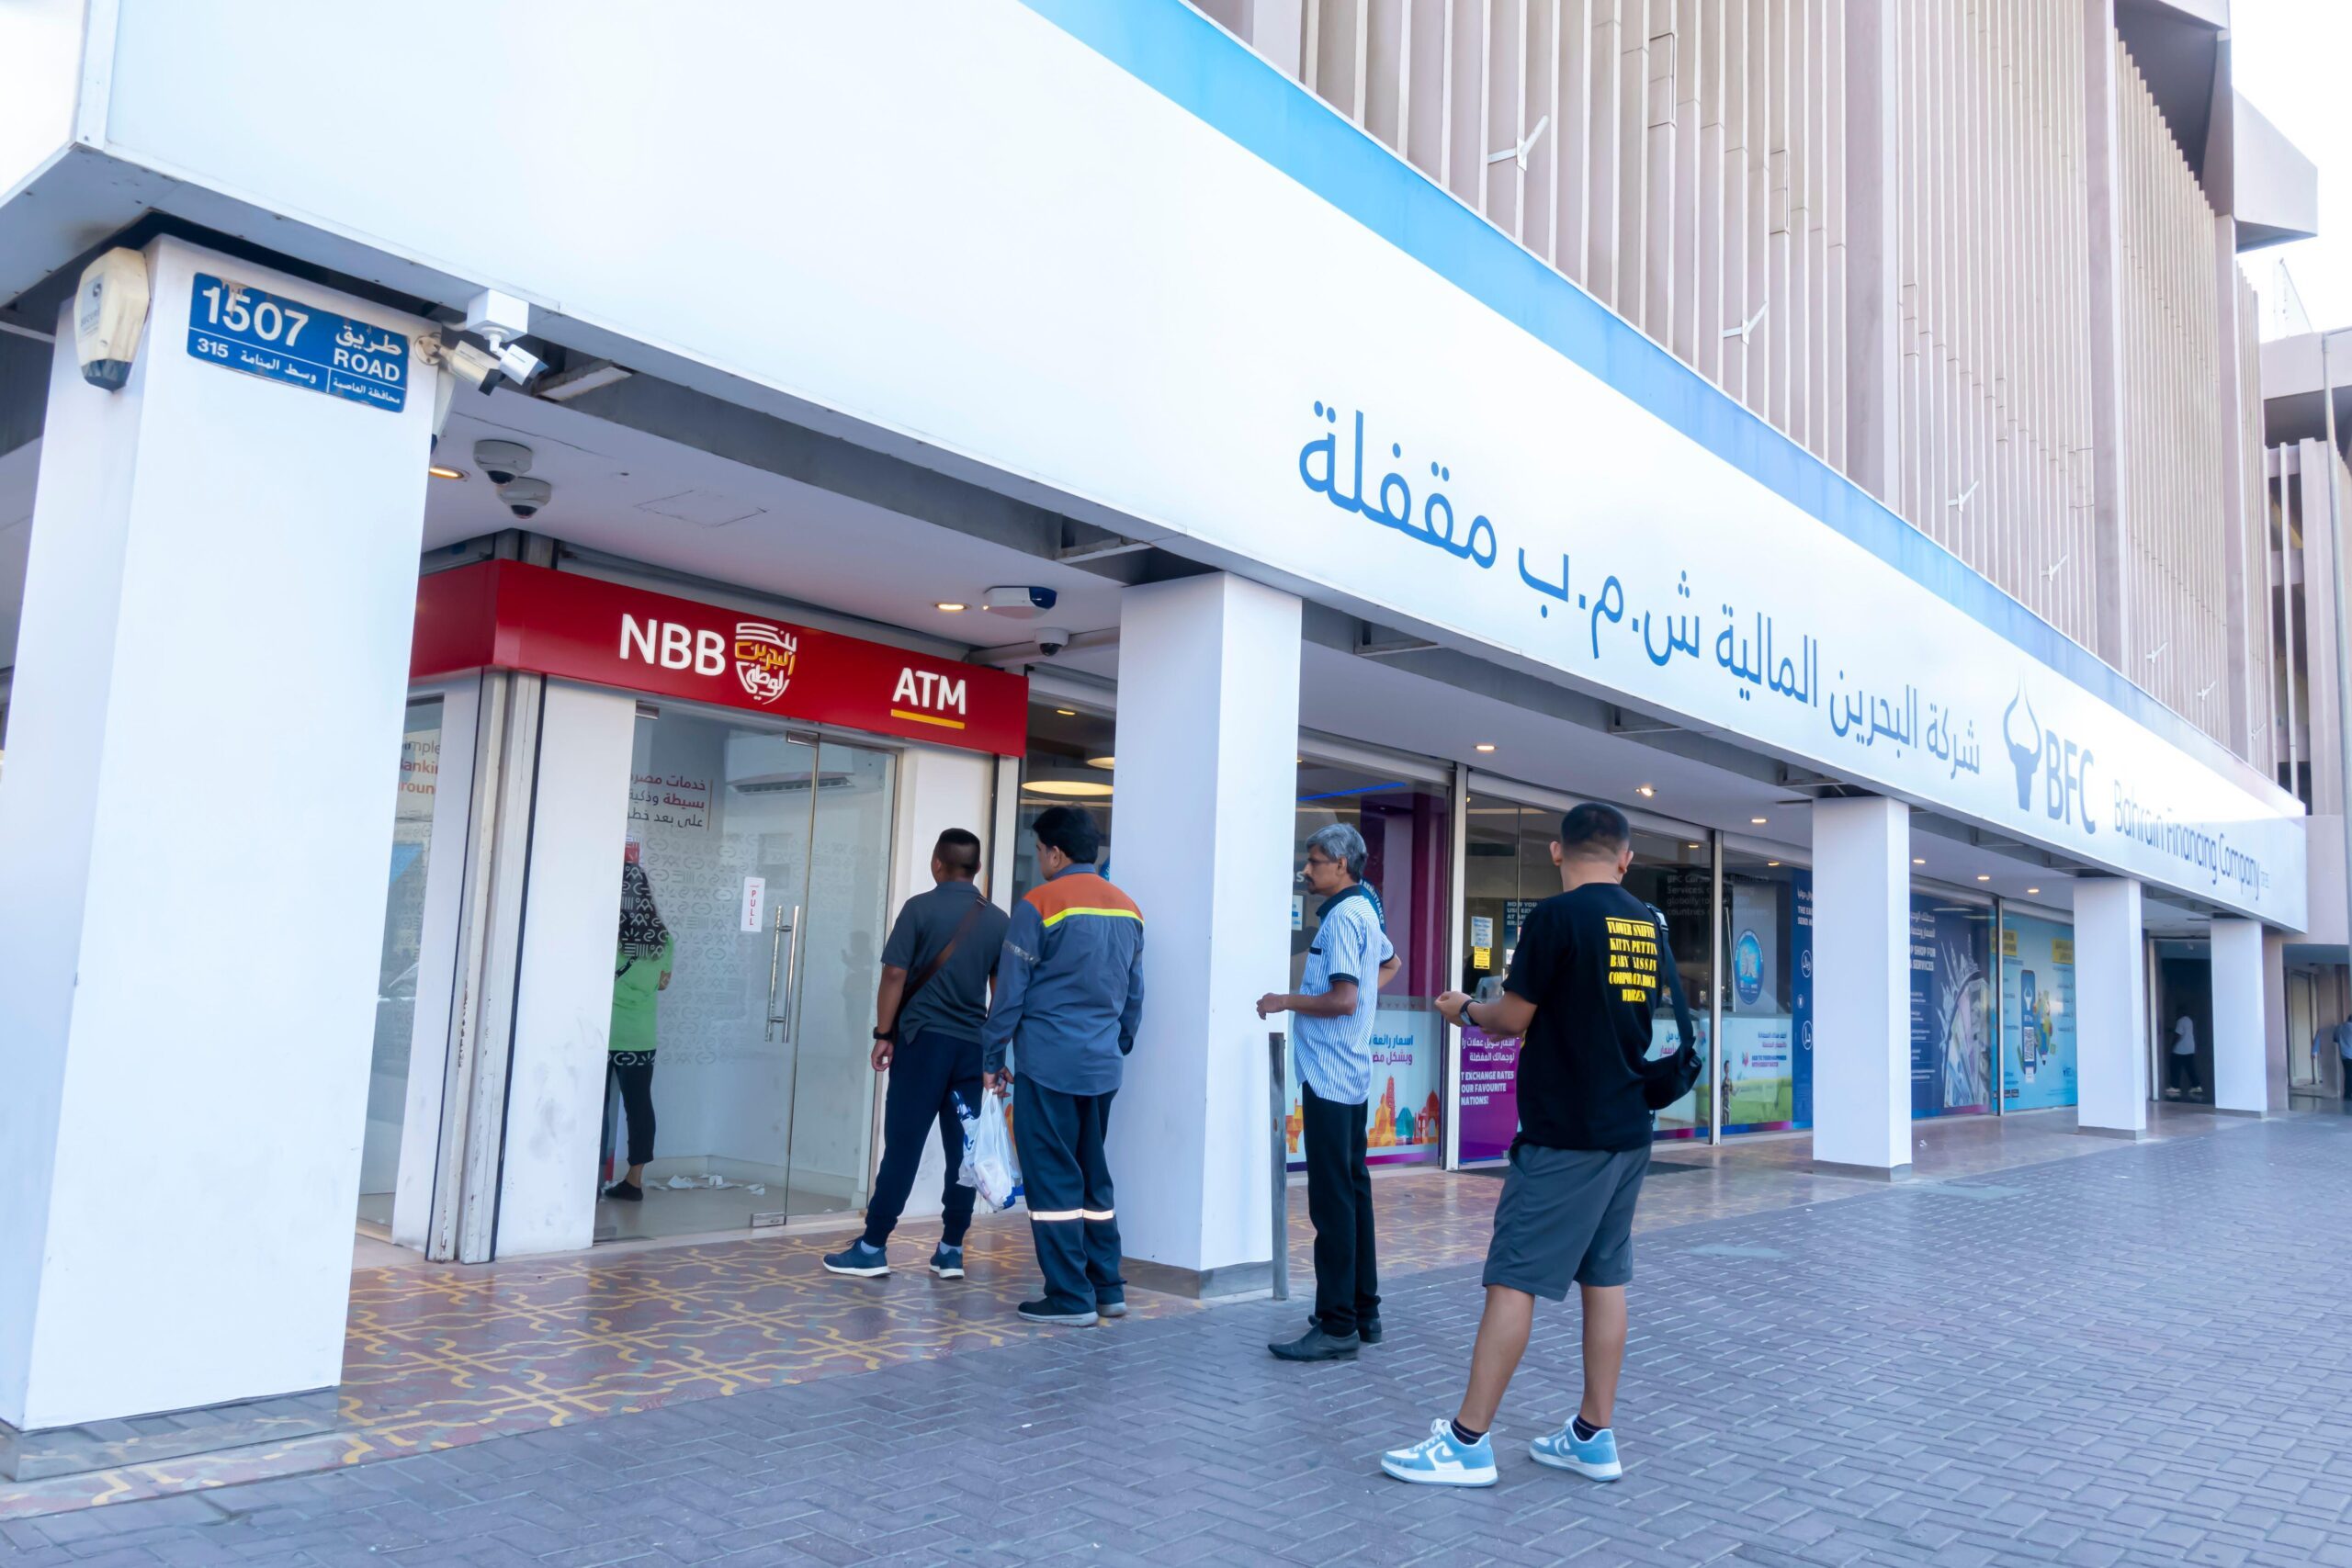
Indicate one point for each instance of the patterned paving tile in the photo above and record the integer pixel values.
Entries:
(441, 1357)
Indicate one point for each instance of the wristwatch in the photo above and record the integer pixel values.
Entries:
(883, 1034)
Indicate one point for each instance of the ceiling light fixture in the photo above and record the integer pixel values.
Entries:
(1485, 746)
(1067, 713)
(950, 605)
(1772, 862)
(1917, 860)
(1646, 791)
(2034, 889)
(1759, 821)
(441, 473)
(1984, 876)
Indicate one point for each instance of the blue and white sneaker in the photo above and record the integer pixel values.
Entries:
(947, 1263)
(1594, 1457)
(1442, 1460)
(859, 1261)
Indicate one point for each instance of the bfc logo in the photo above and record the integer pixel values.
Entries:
(2062, 768)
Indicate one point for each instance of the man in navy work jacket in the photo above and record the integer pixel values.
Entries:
(1068, 996)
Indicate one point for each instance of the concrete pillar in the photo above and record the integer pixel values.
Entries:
(1207, 753)
(1861, 1007)
(2241, 1036)
(2111, 1007)
(205, 731)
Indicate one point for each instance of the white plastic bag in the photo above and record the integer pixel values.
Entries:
(991, 1168)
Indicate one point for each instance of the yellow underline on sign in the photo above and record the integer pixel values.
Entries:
(928, 719)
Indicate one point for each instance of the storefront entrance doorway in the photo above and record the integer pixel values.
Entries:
(766, 851)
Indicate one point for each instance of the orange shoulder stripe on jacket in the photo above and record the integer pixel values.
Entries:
(1065, 894)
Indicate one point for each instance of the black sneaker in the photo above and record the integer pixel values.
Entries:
(1368, 1331)
(1116, 1308)
(1047, 1312)
(625, 1192)
(1316, 1346)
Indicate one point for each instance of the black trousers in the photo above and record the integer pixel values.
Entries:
(1066, 1183)
(633, 1070)
(926, 1075)
(1339, 1199)
(2180, 1073)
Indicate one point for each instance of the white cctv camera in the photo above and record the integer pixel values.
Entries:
(1019, 604)
(501, 462)
(524, 497)
(1052, 640)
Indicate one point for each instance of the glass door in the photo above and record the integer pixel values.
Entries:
(766, 854)
(379, 1155)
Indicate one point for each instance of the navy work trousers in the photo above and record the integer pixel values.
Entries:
(1066, 1183)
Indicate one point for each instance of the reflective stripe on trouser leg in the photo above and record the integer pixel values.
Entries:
(1054, 1216)
(1097, 1215)
(1048, 1127)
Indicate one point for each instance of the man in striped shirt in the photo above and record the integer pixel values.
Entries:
(1068, 996)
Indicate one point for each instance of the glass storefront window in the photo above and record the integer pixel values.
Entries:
(1407, 833)
(1508, 872)
(1068, 763)
(1768, 993)
(2037, 1012)
(1952, 1005)
(379, 1155)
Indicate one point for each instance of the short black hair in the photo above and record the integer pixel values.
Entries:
(1593, 828)
(1070, 830)
(959, 851)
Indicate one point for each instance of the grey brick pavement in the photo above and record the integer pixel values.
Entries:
(2141, 1357)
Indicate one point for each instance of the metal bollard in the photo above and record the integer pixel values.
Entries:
(1274, 1043)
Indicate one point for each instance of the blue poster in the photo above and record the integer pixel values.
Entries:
(1952, 1007)
(1801, 1004)
(2037, 1013)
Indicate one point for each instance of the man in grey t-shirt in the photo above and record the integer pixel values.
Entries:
(937, 971)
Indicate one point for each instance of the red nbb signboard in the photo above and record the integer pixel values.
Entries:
(505, 615)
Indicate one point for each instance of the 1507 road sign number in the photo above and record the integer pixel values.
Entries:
(244, 328)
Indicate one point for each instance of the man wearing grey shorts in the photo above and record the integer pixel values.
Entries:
(1592, 967)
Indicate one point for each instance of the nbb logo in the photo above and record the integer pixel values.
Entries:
(763, 654)
(2063, 768)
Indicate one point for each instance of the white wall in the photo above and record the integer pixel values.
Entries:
(563, 1008)
(938, 790)
(40, 49)
(189, 947)
(2241, 1033)
(1861, 945)
(2111, 1006)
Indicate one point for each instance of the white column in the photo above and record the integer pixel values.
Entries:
(1207, 769)
(2111, 1007)
(1862, 960)
(205, 733)
(2241, 1039)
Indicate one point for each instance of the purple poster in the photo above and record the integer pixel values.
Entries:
(1489, 1091)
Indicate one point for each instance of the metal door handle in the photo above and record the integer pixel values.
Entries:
(786, 967)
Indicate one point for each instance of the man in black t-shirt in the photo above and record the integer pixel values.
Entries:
(1591, 968)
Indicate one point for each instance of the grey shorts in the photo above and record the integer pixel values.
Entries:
(1565, 1215)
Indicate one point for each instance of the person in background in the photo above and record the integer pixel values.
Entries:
(2342, 1034)
(2180, 1066)
(937, 967)
(1069, 999)
(1592, 965)
(1334, 1012)
(640, 973)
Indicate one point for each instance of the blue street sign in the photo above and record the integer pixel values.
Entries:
(238, 327)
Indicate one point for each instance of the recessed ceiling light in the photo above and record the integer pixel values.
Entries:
(1067, 713)
(950, 605)
(1984, 876)
(1105, 763)
(1066, 789)
(1646, 791)
(1772, 862)
(1917, 860)
(1485, 746)
(1694, 846)
(2034, 889)
(441, 473)
(1760, 821)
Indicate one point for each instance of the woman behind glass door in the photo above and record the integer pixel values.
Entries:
(640, 972)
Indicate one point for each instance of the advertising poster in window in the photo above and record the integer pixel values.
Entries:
(1952, 1007)
(1759, 1022)
(2037, 1013)
(1407, 1120)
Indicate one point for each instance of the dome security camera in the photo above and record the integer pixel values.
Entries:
(524, 497)
(501, 462)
